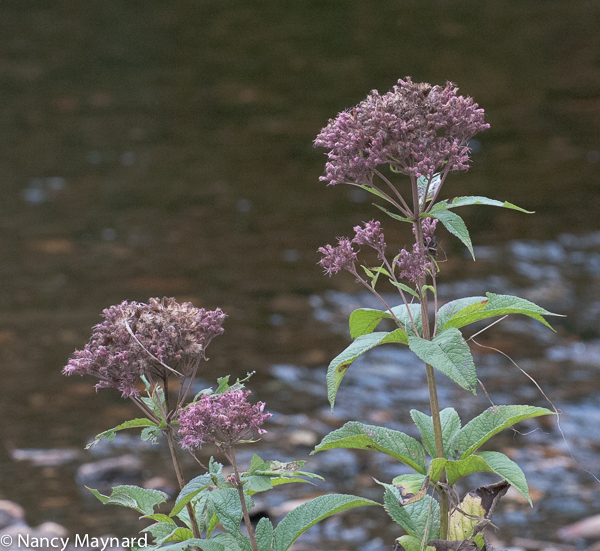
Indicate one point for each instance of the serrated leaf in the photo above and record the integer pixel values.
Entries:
(255, 463)
(498, 305)
(255, 484)
(264, 534)
(359, 436)
(226, 502)
(410, 543)
(339, 365)
(508, 470)
(452, 308)
(134, 497)
(420, 519)
(449, 353)
(190, 490)
(454, 224)
(450, 422)
(310, 513)
(477, 200)
(131, 424)
(490, 422)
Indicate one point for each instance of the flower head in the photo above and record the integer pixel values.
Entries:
(416, 128)
(223, 419)
(371, 235)
(413, 265)
(338, 258)
(140, 339)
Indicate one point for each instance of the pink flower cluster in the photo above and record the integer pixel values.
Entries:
(416, 128)
(338, 258)
(137, 339)
(413, 265)
(223, 419)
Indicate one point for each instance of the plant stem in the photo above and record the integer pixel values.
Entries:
(238, 483)
(181, 480)
(431, 384)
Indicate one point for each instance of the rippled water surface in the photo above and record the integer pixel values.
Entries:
(165, 148)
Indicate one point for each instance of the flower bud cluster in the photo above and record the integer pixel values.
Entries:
(416, 128)
(223, 419)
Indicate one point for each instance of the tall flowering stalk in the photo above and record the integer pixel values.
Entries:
(401, 147)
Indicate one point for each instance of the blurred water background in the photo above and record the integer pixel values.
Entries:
(152, 148)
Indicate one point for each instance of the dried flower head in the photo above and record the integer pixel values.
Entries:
(416, 128)
(338, 258)
(223, 419)
(413, 265)
(372, 236)
(136, 339)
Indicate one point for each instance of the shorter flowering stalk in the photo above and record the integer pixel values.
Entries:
(224, 420)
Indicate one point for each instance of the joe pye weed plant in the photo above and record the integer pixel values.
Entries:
(400, 147)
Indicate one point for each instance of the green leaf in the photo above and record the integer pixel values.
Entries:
(162, 531)
(498, 305)
(404, 288)
(159, 517)
(394, 216)
(450, 309)
(477, 200)
(228, 508)
(433, 187)
(364, 320)
(454, 224)
(205, 545)
(310, 513)
(134, 497)
(152, 434)
(409, 483)
(449, 353)
(338, 366)
(373, 191)
(410, 543)
(190, 490)
(111, 433)
(401, 312)
(254, 484)
(420, 519)
(490, 422)
(508, 470)
(412, 487)
(212, 524)
(264, 534)
(359, 436)
(450, 426)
